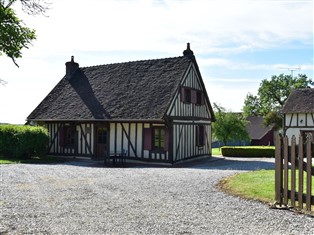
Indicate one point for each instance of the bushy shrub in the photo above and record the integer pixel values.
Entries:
(248, 151)
(23, 141)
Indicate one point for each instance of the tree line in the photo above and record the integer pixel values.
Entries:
(270, 99)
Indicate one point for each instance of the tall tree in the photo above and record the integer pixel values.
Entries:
(14, 35)
(229, 126)
(252, 105)
(272, 95)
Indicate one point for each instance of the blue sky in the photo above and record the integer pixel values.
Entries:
(237, 44)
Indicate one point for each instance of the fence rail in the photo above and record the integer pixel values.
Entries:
(294, 171)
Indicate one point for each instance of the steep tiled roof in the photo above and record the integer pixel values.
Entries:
(132, 90)
(256, 128)
(300, 101)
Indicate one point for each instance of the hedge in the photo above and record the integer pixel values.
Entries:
(248, 151)
(23, 141)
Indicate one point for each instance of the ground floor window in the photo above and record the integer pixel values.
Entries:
(67, 136)
(102, 135)
(159, 138)
(200, 135)
(156, 138)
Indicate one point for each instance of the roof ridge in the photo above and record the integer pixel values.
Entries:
(132, 61)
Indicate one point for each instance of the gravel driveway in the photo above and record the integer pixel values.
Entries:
(83, 197)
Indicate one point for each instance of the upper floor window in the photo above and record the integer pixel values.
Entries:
(190, 95)
(199, 97)
(187, 95)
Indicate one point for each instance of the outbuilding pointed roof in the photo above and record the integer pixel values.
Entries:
(300, 101)
(131, 90)
(256, 128)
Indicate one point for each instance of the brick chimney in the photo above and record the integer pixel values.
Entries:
(188, 52)
(70, 67)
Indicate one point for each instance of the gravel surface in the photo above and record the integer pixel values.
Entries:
(84, 197)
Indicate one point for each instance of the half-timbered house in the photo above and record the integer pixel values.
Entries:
(298, 113)
(152, 110)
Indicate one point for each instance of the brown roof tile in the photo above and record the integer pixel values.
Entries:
(132, 90)
(300, 101)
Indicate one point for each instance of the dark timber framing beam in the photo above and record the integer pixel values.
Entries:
(86, 142)
(54, 137)
(129, 140)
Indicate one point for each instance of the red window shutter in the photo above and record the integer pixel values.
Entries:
(166, 147)
(61, 136)
(193, 97)
(182, 94)
(200, 135)
(203, 98)
(147, 138)
(197, 135)
(204, 135)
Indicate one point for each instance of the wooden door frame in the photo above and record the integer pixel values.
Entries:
(97, 126)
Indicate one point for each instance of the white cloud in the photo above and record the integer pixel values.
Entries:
(213, 26)
(99, 32)
(235, 65)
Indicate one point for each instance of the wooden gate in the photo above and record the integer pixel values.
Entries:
(294, 172)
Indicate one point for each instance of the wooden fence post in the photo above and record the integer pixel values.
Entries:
(308, 172)
(300, 166)
(286, 170)
(293, 171)
(278, 170)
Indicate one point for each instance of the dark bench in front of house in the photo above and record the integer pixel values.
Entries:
(117, 158)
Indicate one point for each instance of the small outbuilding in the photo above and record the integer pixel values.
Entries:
(298, 113)
(152, 110)
(258, 132)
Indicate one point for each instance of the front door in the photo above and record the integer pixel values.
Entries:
(101, 142)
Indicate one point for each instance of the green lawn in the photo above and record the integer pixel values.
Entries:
(258, 185)
(35, 160)
(216, 151)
